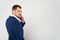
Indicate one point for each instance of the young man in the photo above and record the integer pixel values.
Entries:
(15, 24)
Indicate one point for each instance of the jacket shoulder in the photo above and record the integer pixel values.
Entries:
(10, 19)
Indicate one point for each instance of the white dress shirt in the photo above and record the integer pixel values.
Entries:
(16, 17)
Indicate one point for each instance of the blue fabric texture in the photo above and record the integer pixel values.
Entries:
(14, 28)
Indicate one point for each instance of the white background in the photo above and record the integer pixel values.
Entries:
(42, 18)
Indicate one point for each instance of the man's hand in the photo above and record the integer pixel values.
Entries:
(22, 20)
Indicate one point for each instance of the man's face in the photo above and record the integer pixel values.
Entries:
(18, 12)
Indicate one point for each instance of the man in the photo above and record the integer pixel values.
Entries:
(15, 24)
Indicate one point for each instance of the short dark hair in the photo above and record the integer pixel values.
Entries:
(15, 7)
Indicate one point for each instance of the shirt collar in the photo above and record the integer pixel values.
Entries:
(16, 17)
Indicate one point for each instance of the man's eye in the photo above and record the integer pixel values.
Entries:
(19, 11)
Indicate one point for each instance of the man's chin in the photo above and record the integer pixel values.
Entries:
(19, 16)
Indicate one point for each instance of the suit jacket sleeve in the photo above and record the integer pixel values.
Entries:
(23, 23)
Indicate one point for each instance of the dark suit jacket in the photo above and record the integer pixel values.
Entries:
(14, 28)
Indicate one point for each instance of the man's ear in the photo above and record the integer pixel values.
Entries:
(13, 11)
